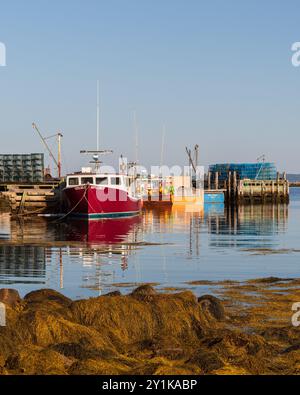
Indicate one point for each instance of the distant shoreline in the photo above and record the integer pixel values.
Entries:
(294, 184)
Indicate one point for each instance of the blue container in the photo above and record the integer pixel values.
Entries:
(214, 197)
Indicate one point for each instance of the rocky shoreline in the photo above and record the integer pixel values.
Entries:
(247, 329)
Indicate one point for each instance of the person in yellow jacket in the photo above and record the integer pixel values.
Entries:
(160, 190)
(171, 192)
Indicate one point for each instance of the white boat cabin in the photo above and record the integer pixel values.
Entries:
(117, 181)
(113, 180)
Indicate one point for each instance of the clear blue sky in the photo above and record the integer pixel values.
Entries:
(216, 73)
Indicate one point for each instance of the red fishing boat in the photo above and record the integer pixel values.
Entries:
(94, 195)
(99, 195)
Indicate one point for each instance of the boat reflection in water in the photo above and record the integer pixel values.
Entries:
(118, 235)
(106, 231)
(101, 245)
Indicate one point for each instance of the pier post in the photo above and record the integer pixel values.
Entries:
(216, 180)
(208, 180)
(234, 186)
(285, 188)
(278, 188)
(263, 192)
(229, 188)
(251, 193)
(241, 192)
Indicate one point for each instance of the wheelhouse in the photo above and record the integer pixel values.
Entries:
(112, 180)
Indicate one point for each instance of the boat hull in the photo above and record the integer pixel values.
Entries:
(94, 202)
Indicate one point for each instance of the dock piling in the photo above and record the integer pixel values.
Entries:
(216, 180)
(209, 180)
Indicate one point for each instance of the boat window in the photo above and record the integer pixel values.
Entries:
(73, 181)
(101, 180)
(128, 181)
(85, 180)
(115, 181)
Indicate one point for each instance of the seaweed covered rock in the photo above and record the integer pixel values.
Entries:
(145, 332)
(213, 305)
(131, 321)
(44, 295)
(113, 293)
(144, 292)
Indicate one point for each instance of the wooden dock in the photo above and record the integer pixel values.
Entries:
(30, 198)
(248, 191)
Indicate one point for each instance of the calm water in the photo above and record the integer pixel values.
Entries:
(169, 248)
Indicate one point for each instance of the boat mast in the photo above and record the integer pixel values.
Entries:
(97, 152)
(96, 156)
(134, 163)
(98, 116)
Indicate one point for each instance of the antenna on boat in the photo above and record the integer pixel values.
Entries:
(98, 115)
(97, 152)
(162, 148)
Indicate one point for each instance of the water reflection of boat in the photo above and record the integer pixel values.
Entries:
(106, 231)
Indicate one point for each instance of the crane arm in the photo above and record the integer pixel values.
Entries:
(190, 158)
(45, 143)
